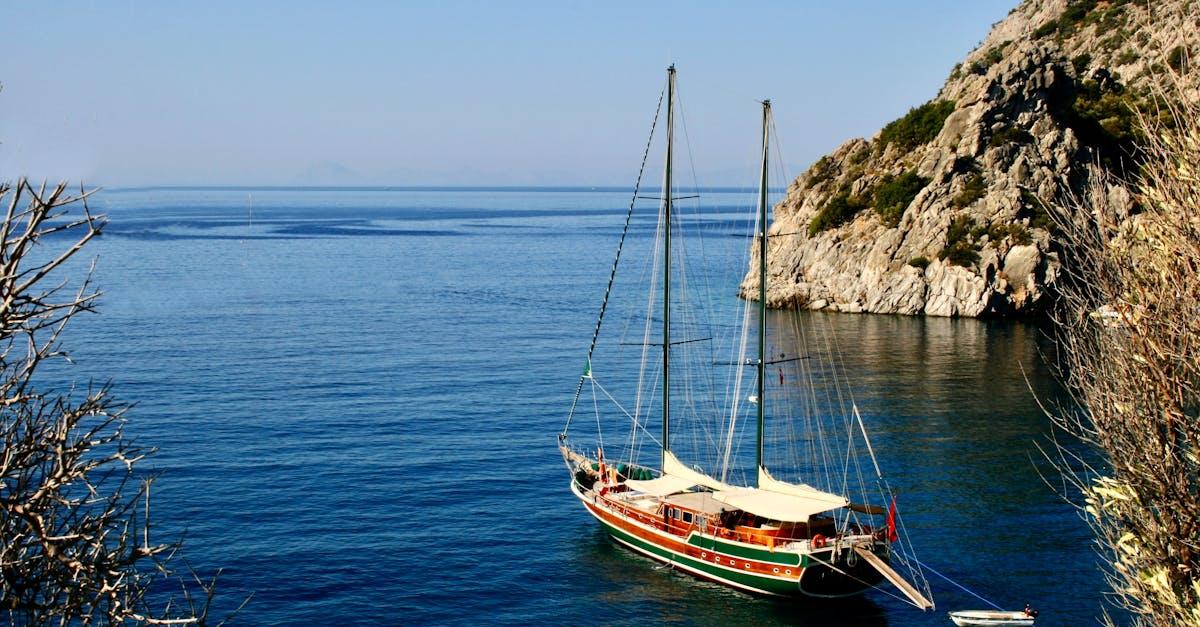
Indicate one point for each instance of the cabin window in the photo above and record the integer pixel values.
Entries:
(675, 513)
(687, 517)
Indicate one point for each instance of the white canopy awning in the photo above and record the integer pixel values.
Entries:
(662, 486)
(776, 506)
(771, 484)
(672, 466)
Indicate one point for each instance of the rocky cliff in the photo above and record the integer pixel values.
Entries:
(945, 211)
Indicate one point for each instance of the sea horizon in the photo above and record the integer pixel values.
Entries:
(712, 189)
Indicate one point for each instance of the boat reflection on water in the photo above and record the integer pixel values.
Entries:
(633, 588)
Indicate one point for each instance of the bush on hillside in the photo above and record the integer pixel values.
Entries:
(960, 248)
(972, 190)
(1010, 135)
(839, 209)
(821, 171)
(918, 127)
(894, 193)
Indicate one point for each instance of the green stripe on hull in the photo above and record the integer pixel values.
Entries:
(712, 544)
(755, 582)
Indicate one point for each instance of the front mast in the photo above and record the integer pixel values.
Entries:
(762, 281)
(666, 189)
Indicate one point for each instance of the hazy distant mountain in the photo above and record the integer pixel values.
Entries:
(329, 173)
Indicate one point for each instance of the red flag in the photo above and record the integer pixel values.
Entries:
(891, 521)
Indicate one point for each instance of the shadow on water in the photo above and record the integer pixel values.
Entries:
(651, 591)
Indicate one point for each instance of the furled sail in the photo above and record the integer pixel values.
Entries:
(776, 506)
(673, 467)
(779, 500)
(662, 486)
(771, 484)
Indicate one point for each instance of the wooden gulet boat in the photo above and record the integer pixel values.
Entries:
(775, 537)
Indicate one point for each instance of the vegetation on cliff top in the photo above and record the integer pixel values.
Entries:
(917, 127)
(1082, 13)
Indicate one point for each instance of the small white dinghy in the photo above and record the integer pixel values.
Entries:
(990, 617)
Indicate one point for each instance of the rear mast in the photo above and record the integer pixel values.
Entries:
(762, 282)
(666, 199)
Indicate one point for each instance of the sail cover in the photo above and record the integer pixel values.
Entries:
(771, 484)
(661, 486)
(673, 467)
(777, 506)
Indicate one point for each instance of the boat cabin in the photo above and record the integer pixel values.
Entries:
(682, 513)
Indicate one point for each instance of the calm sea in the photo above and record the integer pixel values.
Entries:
(356, 394)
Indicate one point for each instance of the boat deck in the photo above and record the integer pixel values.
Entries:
(701, 502)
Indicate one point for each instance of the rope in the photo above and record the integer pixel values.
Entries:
(616, 260)
(636, 422)
(865, 583)
(959, 585)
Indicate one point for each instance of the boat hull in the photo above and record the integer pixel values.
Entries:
(980, 618)
(739, 565)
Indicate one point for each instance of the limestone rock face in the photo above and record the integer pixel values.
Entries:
(976, 238)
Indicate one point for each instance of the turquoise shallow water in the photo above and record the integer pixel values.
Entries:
(356, 394)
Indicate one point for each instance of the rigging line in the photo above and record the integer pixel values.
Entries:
(907, 542)
(739, 330)
(620, 244)
(739, 374)
(737, 390)
(636, 423)
(840, 365)
(960, 586)
(687, 141)
(863, 428)
(865, 583)
(596, 405)
(648, 325)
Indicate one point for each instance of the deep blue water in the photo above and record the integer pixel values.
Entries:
(356, 395)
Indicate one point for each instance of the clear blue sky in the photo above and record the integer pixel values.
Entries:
(466, 93)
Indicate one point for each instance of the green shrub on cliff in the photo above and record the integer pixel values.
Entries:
(1020, 235)
(918, 127)
(821, 171)
(972, 190)
(1102, 116)
(894, 193)
(837, 210)
(919, 263)
(960, 249)
(1104, 14)
(1010, 135)
(1034, 208)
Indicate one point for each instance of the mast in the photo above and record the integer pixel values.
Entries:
(762, 281)
(666, 191)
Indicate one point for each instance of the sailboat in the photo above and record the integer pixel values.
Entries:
(765, 535)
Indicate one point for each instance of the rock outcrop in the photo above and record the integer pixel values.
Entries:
(946, 211)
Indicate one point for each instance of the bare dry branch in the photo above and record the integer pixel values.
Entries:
(75, 544)
(1129, 332)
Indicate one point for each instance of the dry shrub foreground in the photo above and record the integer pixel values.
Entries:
(1129, 341)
